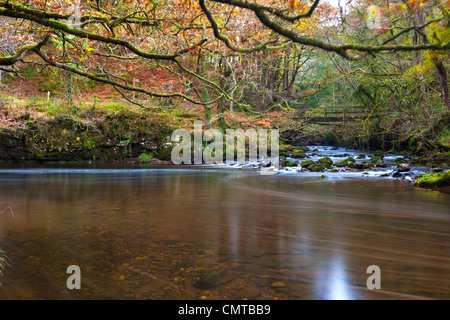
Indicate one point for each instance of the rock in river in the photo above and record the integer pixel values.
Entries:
(403, 167)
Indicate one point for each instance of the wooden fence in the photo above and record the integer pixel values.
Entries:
(333, 114)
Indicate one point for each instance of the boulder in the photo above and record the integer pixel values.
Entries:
(345, 162)
(287, 163)
(400, 160)
(433, 180)
(306, 164)
(317, 167)
(403, 167)
(326, 161)
(397, 175)
(299, 155)
(376, 159)
(360, 166)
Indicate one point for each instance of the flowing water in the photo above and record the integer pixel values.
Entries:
(219, 233)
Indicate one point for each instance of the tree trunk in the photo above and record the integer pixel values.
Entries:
(439, 65)
(443, 79)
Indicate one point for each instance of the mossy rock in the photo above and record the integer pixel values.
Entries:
(361, 156)
(400, 160)
(326, 161)
(287, 163)
(380, 164)
(366, 165)
(345, 162)
(317, 167)
(376, 159)
(306, 164)
(298, 155)
(434, 180)
(285, 150)
(300, 150)
(360, 166)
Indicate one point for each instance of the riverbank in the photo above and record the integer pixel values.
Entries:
(125, 134)
(45, 131)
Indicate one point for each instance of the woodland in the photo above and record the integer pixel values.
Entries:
(109, 80)
(79, 78)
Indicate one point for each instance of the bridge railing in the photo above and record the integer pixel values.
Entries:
(333, 114)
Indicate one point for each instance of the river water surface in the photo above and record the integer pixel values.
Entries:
(219, 233)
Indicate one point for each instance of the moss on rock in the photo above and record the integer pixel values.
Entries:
(316, 167)
(400, 160)
(285, 150)
(298, 155)
(326, 161)
(287, 163)
(434, 180)
(306, 164)
(376, 159)
(345, 162)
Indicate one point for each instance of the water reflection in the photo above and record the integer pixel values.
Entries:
(220, 234)
(339, 285)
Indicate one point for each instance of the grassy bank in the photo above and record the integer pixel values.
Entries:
(54, 130)
(42, 131)
(51, 130)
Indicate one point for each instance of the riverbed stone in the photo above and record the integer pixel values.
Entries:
(346, 162)
(376, 159)
(317, 167)
(306, 164)
(400, 160)
(326, 161)
(403, 167)
(434, 180)
(299, 155)
(288, 163)
(397, 175)
(360, 166)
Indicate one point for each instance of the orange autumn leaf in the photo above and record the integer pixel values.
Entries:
(294, 4)
(412, 3)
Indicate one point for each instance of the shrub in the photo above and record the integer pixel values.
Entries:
(144, 158)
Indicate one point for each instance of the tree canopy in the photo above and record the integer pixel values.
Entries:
(76, 35)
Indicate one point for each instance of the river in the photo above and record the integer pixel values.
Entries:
(198, 232)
